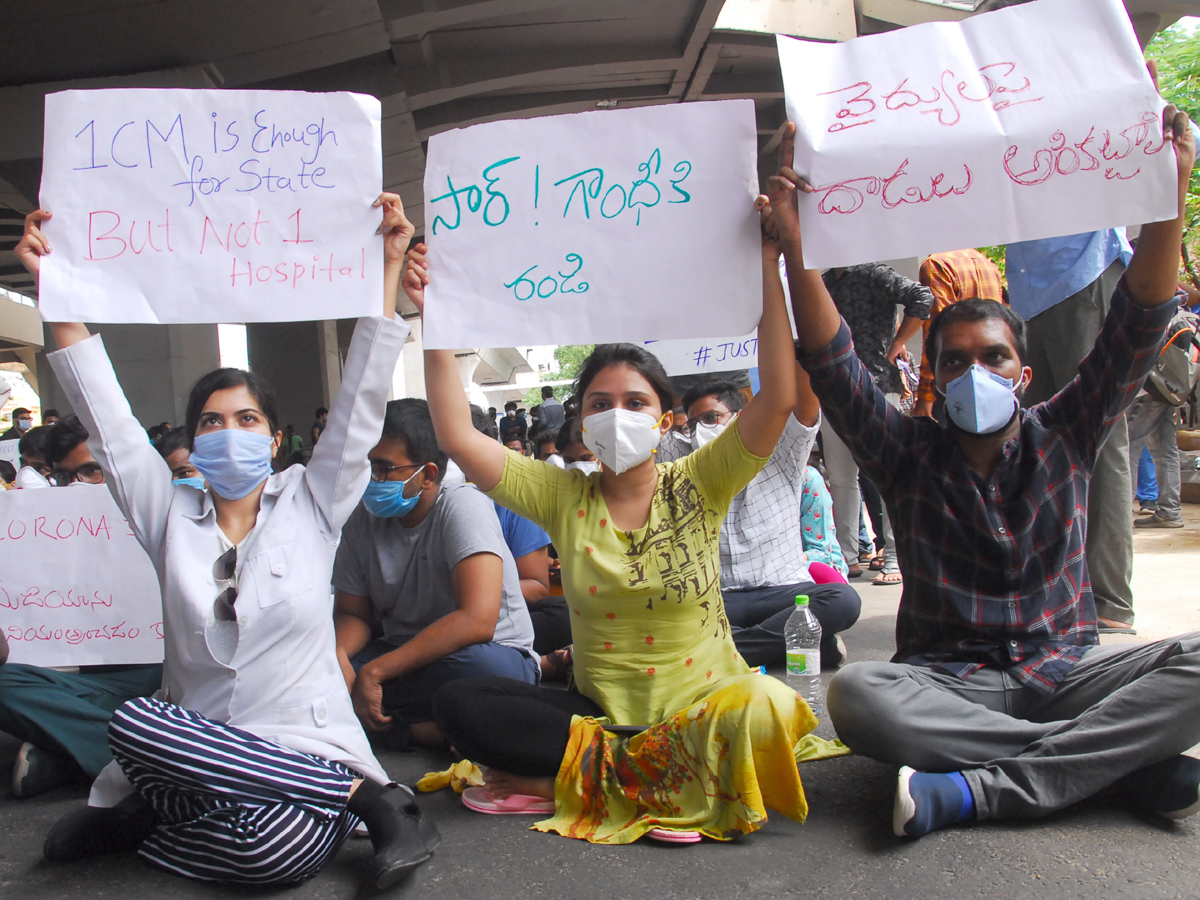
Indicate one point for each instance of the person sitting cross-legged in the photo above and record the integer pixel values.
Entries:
(427, 566)
(62, 717)
(998, 703)
(763, 566)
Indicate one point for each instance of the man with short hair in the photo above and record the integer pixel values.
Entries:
(50, 416)
(34, 471)
(68, 455)
(427, 565)
(22, 421)
(62, 717)
(512, 424)
(998, 680)
(319, 425)
(763, 567)
(550, 414)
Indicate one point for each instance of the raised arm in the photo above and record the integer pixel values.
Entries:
(30, 250)
(337, 474)
(761, 422)
(817, 318)
(136, 476)
(1153, 272)
(480, 457)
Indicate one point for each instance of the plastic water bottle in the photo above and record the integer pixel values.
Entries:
(802, 638)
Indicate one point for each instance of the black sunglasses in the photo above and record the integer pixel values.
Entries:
(223, 570)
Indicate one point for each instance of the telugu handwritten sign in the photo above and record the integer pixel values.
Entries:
(620, 225)
(960, 134)
(211, 206)
(76, 587)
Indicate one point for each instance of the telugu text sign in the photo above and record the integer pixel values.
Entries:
(211, 206)
(619, 225)
(986, 131)
(76, 587)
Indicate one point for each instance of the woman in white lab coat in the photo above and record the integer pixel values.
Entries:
(249, 765)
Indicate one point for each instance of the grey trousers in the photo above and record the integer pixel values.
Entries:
(1058, 340)
(1024, 753)
(1152, 421)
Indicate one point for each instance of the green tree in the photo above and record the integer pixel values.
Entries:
(570, 359)
(1176, 50)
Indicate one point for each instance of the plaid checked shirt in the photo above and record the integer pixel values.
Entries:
(994, 568)
(762, 536)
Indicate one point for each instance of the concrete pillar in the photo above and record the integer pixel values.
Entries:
(156, 365)
(409, 378)
(291, 357)
(330, 360)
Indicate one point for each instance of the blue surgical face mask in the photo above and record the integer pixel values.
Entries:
(386, 499)
(980, 402)
(195, 481)
(233, 461)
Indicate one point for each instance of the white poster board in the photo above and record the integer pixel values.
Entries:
(1029, 122)
(620, 225)
(10, 450)
(76, 588)
(702, 357)
(211, 206)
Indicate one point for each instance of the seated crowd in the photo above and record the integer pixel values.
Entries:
(419, 572)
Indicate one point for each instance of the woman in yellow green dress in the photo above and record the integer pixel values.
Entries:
(652, 644)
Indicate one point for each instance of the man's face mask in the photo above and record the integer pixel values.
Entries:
(981, 402)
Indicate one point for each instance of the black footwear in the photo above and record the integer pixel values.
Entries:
(402, 835)
(96, 830)
(1170, 788)
(37, 771)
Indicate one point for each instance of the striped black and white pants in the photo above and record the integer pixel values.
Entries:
(231, 806)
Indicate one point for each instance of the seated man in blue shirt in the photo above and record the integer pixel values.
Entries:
(427, 592)
(998, 680)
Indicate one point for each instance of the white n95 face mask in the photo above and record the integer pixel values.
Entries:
(705, 434)
(621, 438)
(980, 401)
(586, 466)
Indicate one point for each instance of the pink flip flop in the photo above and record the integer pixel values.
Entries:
(673, 837)
(481, 800)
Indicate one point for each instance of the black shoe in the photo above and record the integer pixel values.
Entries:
(403, 837)
(96, 830)
(1170, 788)
(37, 771)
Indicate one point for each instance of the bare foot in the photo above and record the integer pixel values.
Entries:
(501, 785)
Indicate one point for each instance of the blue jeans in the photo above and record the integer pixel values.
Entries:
(1147, 485)
(409, 698)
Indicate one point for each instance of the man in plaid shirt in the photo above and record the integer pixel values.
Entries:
(998, 680)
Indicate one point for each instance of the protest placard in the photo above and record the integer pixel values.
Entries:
(991, 130)
(211, 206)
(705, 356)
(621, 225)
(10, 451)
(76, 587)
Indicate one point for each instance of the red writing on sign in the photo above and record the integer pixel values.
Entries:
(899, 188)
(1116, 155)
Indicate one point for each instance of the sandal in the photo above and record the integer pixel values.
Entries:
(480, 800)
(890, 573)
(854, 571)
(667, 836)
(877, 563)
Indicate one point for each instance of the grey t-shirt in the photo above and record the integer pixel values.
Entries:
(407, 571)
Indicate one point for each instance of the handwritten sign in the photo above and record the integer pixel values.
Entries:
(621, 225)
(211, 206)
(701, 357)
(77, 588)
(10, 451)
(986, 131)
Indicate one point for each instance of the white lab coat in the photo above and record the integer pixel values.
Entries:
(283, 683)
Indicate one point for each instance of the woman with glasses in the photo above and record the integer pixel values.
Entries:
(249, 765)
